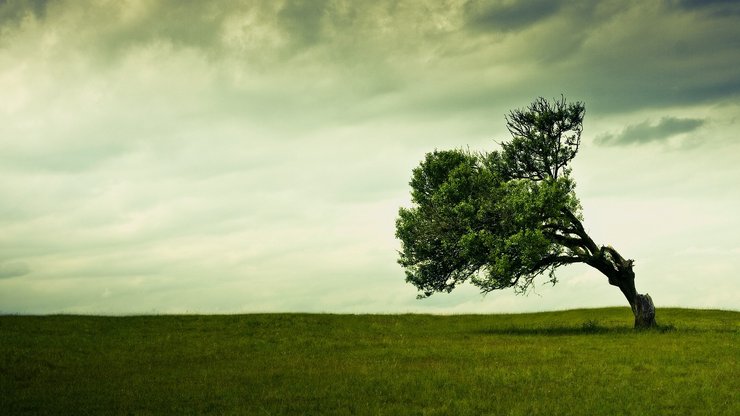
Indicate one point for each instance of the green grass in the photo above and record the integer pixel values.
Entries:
(573, 362)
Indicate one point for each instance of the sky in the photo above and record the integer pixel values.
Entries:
(251, 156)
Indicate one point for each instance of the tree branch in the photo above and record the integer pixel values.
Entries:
(581, 232)
(558, 260)
(566, 241)
(617, 258)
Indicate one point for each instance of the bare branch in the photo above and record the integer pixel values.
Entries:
(581, 232)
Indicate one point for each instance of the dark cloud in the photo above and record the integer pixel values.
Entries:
(302, 19)
(647, 132)
(617, 57)
(14, 269)
(182, 24)
(609, 92)
(715, 8)
(510, 16)
(13, 11)
(649, 57)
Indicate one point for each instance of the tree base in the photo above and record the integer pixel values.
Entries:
(644, 311)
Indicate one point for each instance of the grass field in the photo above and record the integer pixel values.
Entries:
(585, 362)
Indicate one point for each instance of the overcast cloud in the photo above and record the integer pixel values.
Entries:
(169, 156)
(646, 132)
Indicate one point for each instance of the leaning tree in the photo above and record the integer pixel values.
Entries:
(501, 219)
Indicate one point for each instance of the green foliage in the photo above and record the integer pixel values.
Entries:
(286, 364)
(480, 218)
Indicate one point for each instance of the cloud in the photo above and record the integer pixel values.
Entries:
(647, 131)
(160, 149)
(12, 12)
(337, 56)
(716, 8)
(14, 269)
(303, 20)
(511, 15)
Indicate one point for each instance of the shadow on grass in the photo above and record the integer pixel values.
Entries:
(587, 328)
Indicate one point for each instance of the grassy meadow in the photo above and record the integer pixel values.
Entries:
(580, 362)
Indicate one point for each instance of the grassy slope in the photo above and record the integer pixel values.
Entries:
(572, 362)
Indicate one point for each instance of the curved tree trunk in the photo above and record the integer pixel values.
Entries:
(620, 274)
(609, 262)
(642, 305)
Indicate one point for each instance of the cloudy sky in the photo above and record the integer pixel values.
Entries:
(251, 156)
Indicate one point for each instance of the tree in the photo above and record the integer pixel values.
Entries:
(503, 218)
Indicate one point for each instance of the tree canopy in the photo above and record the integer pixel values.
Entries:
(500, 219)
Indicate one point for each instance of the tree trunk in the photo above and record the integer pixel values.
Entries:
(644, 311)
(642, 305)
(620, 273)
(608, 261)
